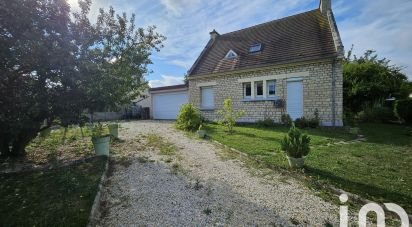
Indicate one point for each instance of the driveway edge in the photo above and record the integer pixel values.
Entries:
(96, 203)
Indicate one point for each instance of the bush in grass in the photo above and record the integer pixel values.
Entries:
(296, 144)
(377, 114)
(267, 122)
(229, 115)
(313, 123)
(189, 118)
(349, 118)
(301, 122)
(286, 120)
(403, 109)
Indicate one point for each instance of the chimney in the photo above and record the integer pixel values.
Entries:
(213, 34)
(324, 6)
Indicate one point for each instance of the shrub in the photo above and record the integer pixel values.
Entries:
(376, 114)
(349, 118)
(267, 122)
(189, 118)
(403, 109)
(313, 123)
(229, 115)
(301, 122)
(295, 144)
(286, 120)
(98, 131)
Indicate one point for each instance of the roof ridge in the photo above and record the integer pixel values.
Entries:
(268, 22)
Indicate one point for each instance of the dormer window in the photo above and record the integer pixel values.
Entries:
(255, 48)
(231, 55)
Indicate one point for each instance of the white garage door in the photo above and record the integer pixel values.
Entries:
(166, 106)
(294, 102)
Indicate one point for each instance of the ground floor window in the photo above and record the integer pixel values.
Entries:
(247, 90)
(271, 88)
(207, 98)
(259, 88)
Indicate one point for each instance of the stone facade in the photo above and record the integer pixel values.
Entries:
(321, 92)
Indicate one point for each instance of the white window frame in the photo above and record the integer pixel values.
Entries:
(270, 83)
(256, 90)
(244, 90)
(266, 79)
(202, 106)
(231, 55)
(256, 47)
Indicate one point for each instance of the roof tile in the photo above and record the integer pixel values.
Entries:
(305, 36)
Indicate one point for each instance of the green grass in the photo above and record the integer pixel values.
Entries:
(158, 142)
(57, 145)
(378, 169)
(58, 197)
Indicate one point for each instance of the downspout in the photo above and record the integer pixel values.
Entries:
(340, 54)
(333, 93)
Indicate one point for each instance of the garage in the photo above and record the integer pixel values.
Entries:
(166, 101)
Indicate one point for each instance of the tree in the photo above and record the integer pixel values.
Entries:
(53, 66)
(369, 80)
(35, 56)
(229, 115)
(116, 59)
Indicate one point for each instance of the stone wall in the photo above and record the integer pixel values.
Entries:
(318, 92)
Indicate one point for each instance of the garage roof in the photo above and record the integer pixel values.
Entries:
(166, 88)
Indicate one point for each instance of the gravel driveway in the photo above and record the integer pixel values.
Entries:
(197, 186)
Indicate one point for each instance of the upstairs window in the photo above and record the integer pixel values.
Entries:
(255, 48)
(231, 55)
(259, 88)
(247, 90)
(271, 88)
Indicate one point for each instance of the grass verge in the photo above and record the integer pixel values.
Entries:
(378, 169)
(57, 197)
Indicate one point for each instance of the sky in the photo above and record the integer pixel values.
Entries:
(381, 25)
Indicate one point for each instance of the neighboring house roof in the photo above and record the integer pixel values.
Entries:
(302, 37)
(173, 87)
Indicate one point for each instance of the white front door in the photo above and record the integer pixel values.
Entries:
(294, 102)
(167, 105)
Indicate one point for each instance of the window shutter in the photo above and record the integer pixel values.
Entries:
(208, 98)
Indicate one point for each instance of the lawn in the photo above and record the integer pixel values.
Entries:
(59, 146)
(58, 197)
(378, 169)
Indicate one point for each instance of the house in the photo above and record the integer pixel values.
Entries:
(289, 66)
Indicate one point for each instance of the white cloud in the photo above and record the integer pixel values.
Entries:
(187, 23)
(380, 26)
(186, 63)
(177, 7)
(166, 81)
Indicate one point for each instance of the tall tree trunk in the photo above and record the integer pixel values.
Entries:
(21, 141)
(64, 134)
(4, 146)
